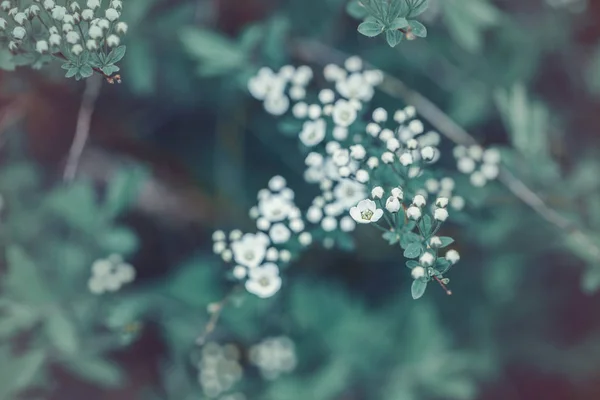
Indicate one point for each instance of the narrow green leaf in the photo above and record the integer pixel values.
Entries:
(98, 370)
(72, 72)
(446, 241)
(115, 55)
(62, 332)
(23, 279)
(411, 264)
(398, 23)
(417, 7)
(370, 28)
(393, 37)
(86, 71)
(418, 288)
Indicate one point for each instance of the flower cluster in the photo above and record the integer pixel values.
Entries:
(274, 356)
(86, 37)
(219, 370)
(110, 274)
(482, 165)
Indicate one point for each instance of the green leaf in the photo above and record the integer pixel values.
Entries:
(394, 9)
(97, 370)
(418, 288)
(398, 23)
(76, 204)
(72, 72)
(417, 7)
(413, 250)
(86, 71)
(393, 37)
(23, 278)
(19, 373)
(417, 28)
(115, 55)
(211, 47)
(119, 241)
(446, 241)
(391, 237)
(110, 69)
(442, 265)
(412, 263)
(62, 332)
(356, 10)
(370, 28)
(122, 189)
(425, 224)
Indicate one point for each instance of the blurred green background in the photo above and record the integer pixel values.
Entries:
(179, 149)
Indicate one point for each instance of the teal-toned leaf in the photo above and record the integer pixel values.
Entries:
(417, 28)
(86, 71)
(19, 372)
(413, 250)
(115, 55)
(110, 69)
(446, 241)
(442, 265)
(398, 23)
(119, 241)
(123, 189)
(391, 237)
(62, 332)
(418, 288)
(411, 264)
(208, 46)
(394, 10)
(370, 28)
(76, 204)
(393, 37)
(73, 71)
(356, 10)
(425, 225)
(100, 371)
(417, 7)
(23, 278)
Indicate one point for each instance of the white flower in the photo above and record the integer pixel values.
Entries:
(219, 247)
(348, 192)
(412, 144)
(373, 129)
(285, 255)
(347, 224)
(406, 159)
(398, 193)
(302, 76)
(413, 213)
(276, 183)
(54, 39)
(264, 281)
(341, 157)
(87, 14)
(326, 96)
(475, 152)
(218, 236)
(386, 134)
(314, 111)
(314, 159)
(239, 272)
(392, 204)
(447, 184)
(457, 202)
(72, 37)
(272, 254)
(366, 211)
(417, 272)
(77, 49)
(355, 87)
(362, 176)
(491, 156)
(380, 115)
(435, 242)
(333, 72)
(275, 208)
(416, 126)
(377, 192)
(478, 179)
(358, 152)
(428, 153)
(41, 46)
(427, 259)
(399, 116)
(452, 256)
(111, 14)
(297, 225)
(93, 4)
(314, 214)
(305, 238)
(227, 255)
(276, 104)
(313, 132)
(121, 28)
(91, 44)
(353, 64)
(340, 133)
(392, 144)
(263, 224)
(465, 165)
(373, 162)
(20, 18)
(58, 13)
(344, 113)
(419, 200)
(19, 32)
(250, 249)
(235, 234)
(329, 224)
(387, 157)
(490, 171)
(441, 202)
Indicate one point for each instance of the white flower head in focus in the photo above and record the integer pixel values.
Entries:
(366, 211)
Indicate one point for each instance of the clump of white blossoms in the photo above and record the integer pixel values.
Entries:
(219, 369)
(110, 274)
(86, 36)
(274, 356)
(481, 165)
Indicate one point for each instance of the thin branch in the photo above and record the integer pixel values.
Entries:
(82, 131)
(316, 52)
(215, 310)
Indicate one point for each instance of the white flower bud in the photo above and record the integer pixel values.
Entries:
(452, 256)
(87, 14)
(478, 179)
(239, 272)
(413, 213)
(329, 224)
(475, 152)
(347, 224)
(412, 144)
(392, 204)
(272, 254)
(387, 157)
(418, 272)
(392, 144)
(435, 242)
(41, 46)
(326, 96)
(399, 116)
(121, 27)
(419, 200)
(386, 135)
(114, 40)
(314, 110)
(314, 214)
(362, 176)
(340, 133)
(285, 255)
(457, 203)
(440, 214)
(77, 49)
(398, 193)
(491, 156)
(373, 129)
(341, 157)
(427, 259)
(465, 165)
(441, 202)
(19, 33)
(416, 126)
(490, 171)
(373, 162)
(305, 239)
(406, 159)
(344, 171)
(380, 115)
(358, 152)
(428, 153)
(377, 192)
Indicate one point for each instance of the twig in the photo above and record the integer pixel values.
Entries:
(215, 310)
(319, 53)
(82, 131)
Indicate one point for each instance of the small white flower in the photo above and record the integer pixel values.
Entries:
(341, 157)
(326, 96)
(54, 39)
(459, 151)
(77, 49)
(340, 133)
(441, 202)
(344, 113)
(72, 37)
(313, 132)
(41, 46)
(111, 14)
(314, 214)
(93, 4)
(435, 242)
(87, 14)
(412, 144)
(452, 256)
(416, 126)
(344, 171)
(457, 203)
(296, 225)
(305, 238)
(250, 249)
(355, 87)
(58, 13)
(366, 211)
(264, 281)
(373, 162)
(358, 152)
(235, 234)
(302, 76)
(298, 93)
(447, 184)
(285, 255)
(398, 193)
(413, 213)
(218, 236)
(219, 247)
(427, 259)
(19, 33)
(465, 165)
(392, 204)
(275, 208)
(373, 129)
(121, 28)
(239, 272)
(300, 110)
(272, 254)
(263, 224)
(362, 176)
(491, 156)
(392, 144)
(91, 44)
(276, 183)
(377, 192)
(329, 224)
(410, 111)
(314, 111)
(380, 115)
(417, 272)
(347, 224)
(406, 159)
(314, 159)
(490, 171)
(386, 134)
(333, 72)
(440, 214)
(353, 64)
(227, 255)
(475, 152)
(428, 153)
(419, 200)
(20, 18)
(387, 157)
(478, 179)
(276, 104)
